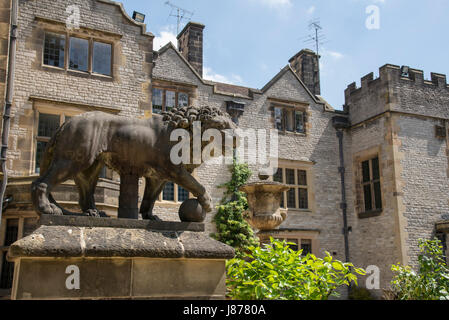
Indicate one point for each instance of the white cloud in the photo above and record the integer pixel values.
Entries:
(209, 74)
(311, 10)
(336, 55)
(166, 35)
(275, 3)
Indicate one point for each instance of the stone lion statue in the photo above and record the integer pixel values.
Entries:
(131, 147)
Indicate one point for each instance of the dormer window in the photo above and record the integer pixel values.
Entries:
(164, 100)
(289, 119)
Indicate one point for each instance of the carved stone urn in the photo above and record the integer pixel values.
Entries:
(264, 201)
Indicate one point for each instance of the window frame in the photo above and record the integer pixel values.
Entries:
(164, 97)
(300, 236)
(176, 196)
(62, 117)
(91, 41)
(371, 183)
(291, 110)
(65, 49)
(359, 201)
(297, 167)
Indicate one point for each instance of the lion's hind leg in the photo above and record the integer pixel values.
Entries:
(153, 188)
(58, 172)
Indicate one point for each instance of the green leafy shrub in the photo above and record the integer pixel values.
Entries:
(431, 282)
(276, 272)
(232, 228)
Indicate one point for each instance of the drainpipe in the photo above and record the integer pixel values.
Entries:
(8, 100)
(344, 204)
(341, 123)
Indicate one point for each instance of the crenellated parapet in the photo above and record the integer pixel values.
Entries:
(401, 89)
(394, 73)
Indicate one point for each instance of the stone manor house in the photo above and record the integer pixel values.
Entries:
(366, 182)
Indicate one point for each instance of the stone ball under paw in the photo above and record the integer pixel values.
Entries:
(192, 211)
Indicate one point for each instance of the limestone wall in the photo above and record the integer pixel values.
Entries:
(127, 91)
(425, 179)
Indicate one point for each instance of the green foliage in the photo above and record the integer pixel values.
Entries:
(232, 228)
(431, 282)
(276, 272)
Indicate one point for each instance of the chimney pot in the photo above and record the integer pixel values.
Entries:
(306, 65)
(190, 45)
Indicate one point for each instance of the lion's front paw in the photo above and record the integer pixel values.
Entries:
(53, 210)
(206, 202)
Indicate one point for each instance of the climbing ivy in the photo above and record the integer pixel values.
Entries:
(232, 228)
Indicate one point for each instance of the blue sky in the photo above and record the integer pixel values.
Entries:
(247, 42)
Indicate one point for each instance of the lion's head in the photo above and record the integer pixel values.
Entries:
(210, 118)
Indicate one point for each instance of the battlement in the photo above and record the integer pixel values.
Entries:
(392, 73)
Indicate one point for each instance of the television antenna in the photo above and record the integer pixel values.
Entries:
(180, 14)
(317, 36)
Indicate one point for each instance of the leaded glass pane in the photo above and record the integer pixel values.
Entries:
(376, 172)
(302, 178)
(48, 125)
(183, 100)
(368, 198)
(170, 97)
(293, 244)
(290, 176)
(102, 58)
(40, 149)
(183, 194)
(306, 247)
(366, 171)
(54, 50)
(378, 195)
(303, 198)
(299, 117)
(169, 192)
(278, 118)
(157, 101)
(291, 199)
(79, 54)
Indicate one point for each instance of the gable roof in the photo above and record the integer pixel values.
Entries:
(143, 26)
(281, 73)
(240, 91)
(169, 46)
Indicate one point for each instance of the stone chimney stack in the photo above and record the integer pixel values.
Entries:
(306, 65)
(190, 44)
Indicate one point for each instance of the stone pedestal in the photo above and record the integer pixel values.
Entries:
(91, 258)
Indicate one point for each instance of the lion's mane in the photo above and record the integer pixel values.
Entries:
(184, 117)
